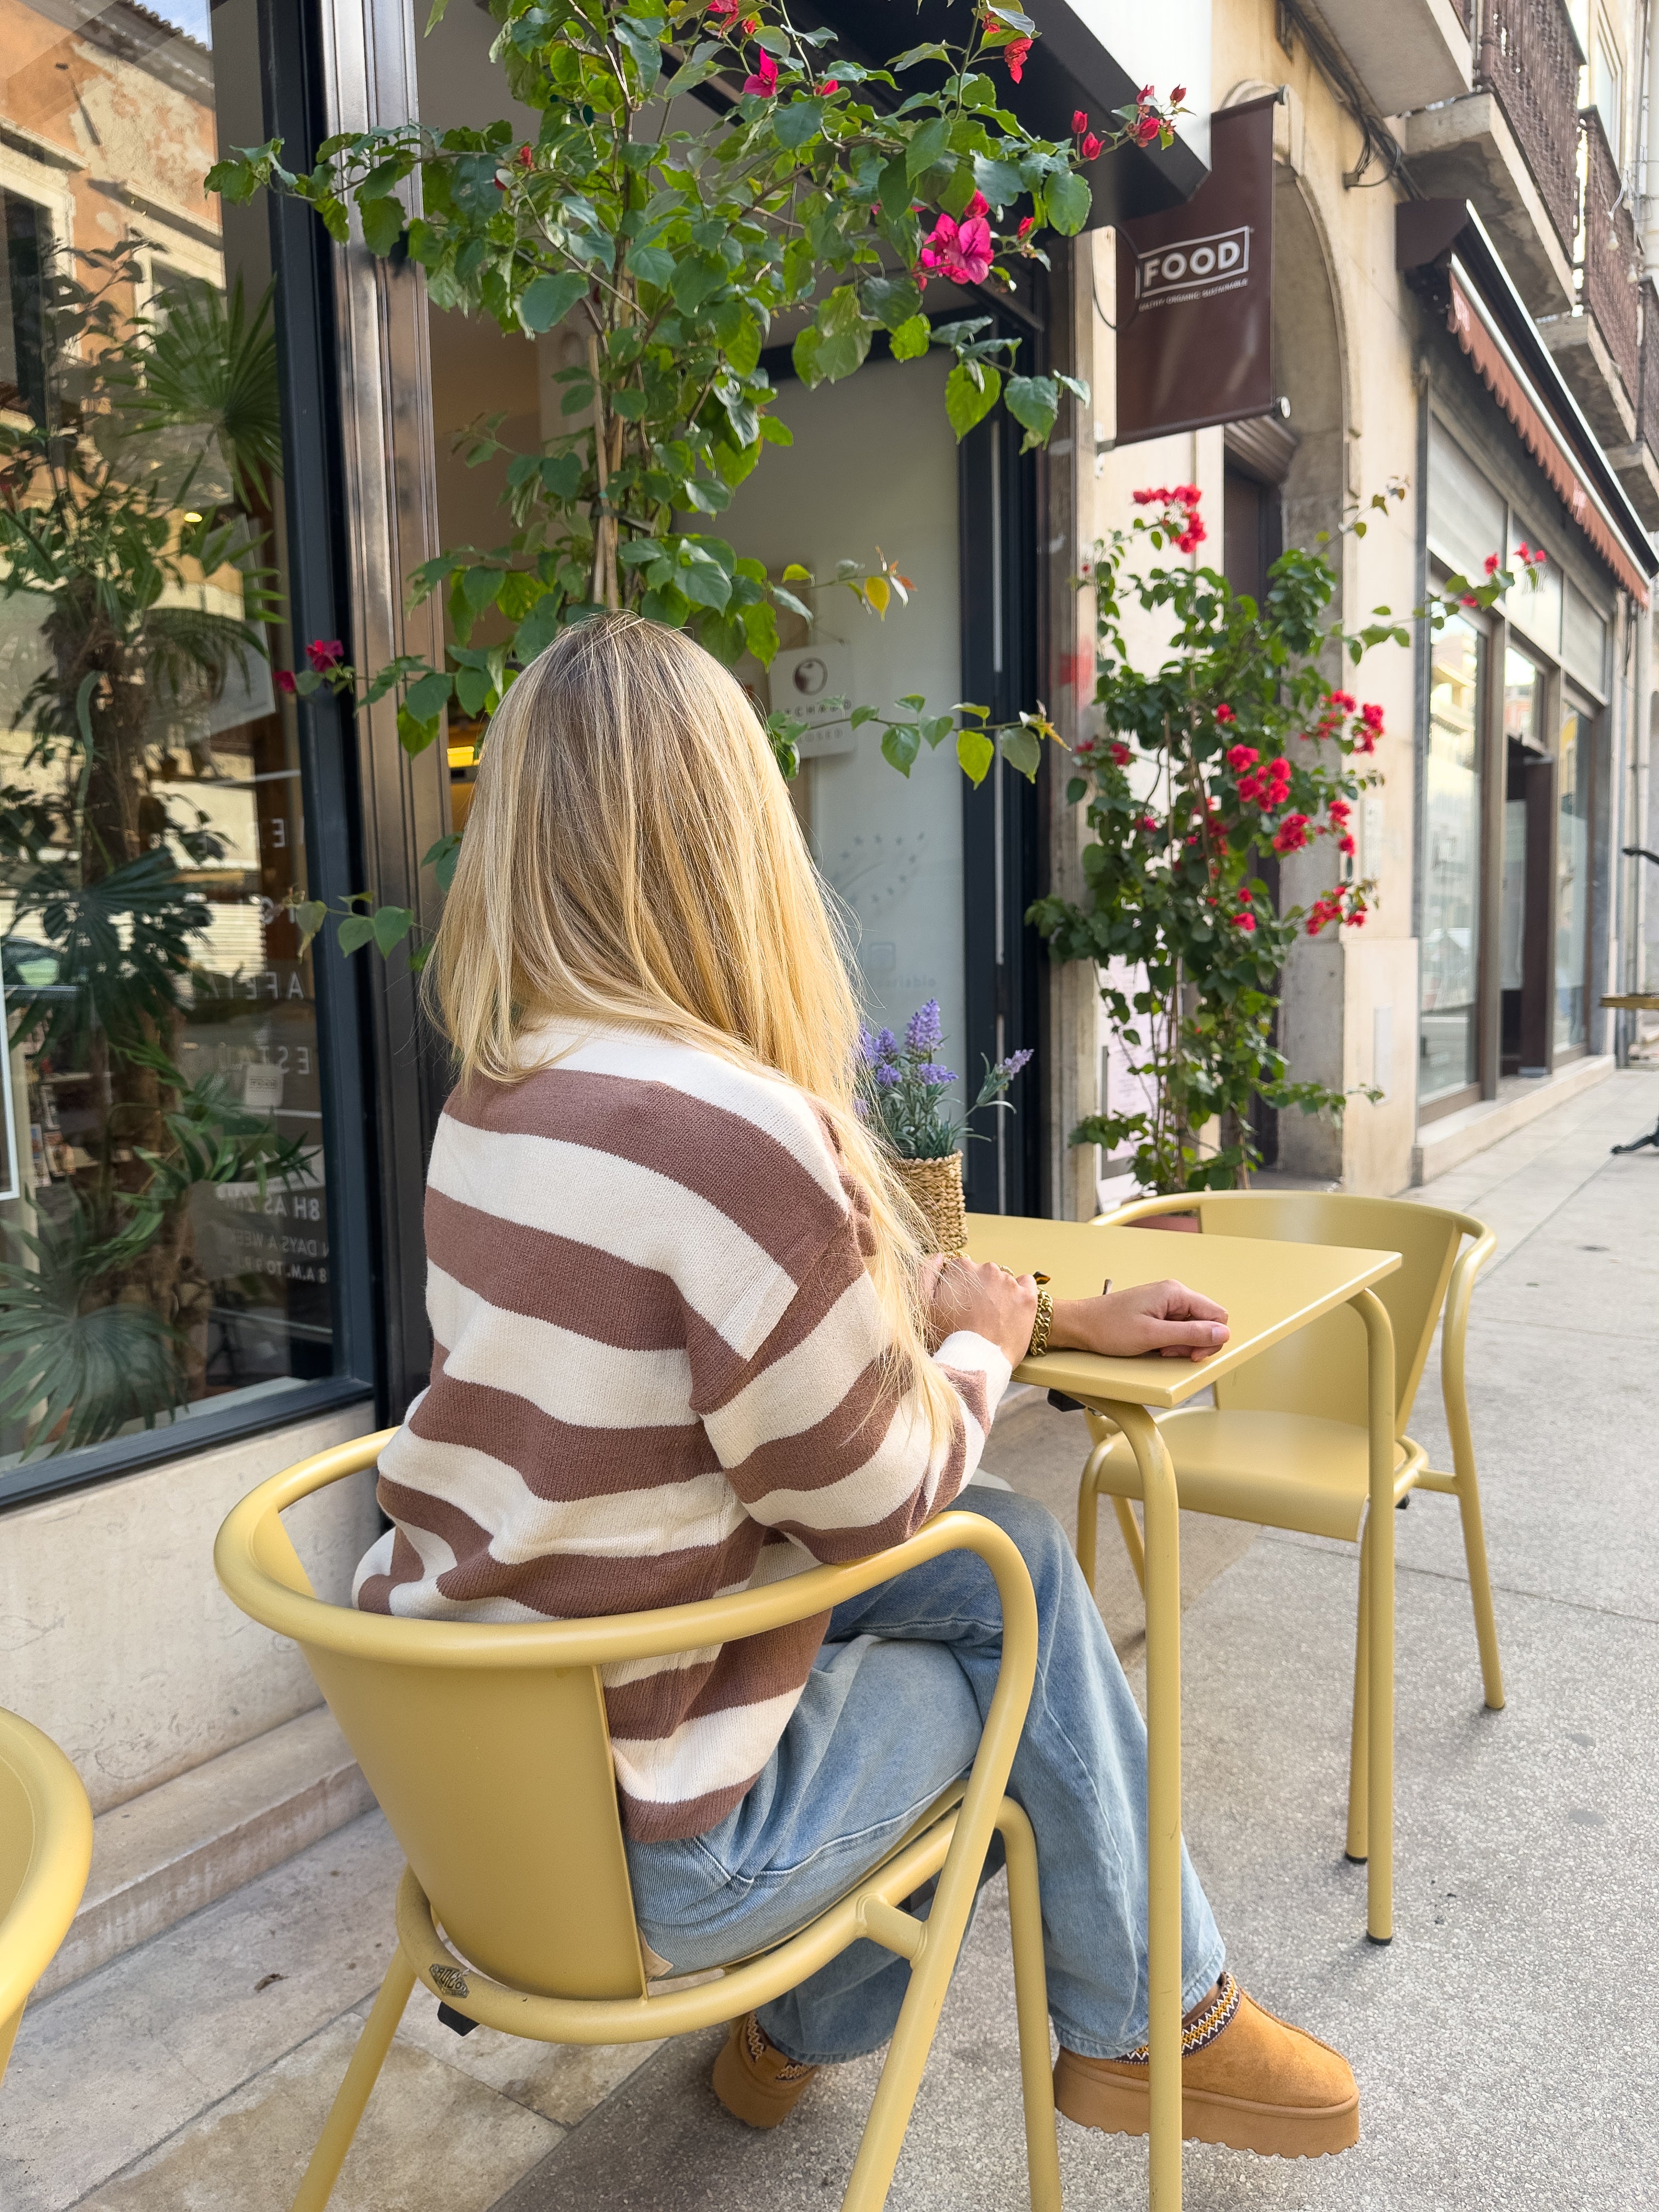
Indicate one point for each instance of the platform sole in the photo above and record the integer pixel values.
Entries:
(1120, 2107)
(757, 2104)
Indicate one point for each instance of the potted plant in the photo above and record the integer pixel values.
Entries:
(906, 1095)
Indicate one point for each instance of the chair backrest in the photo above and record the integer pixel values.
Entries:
(1322, 1369)
(45, 1852)
(493, 1774)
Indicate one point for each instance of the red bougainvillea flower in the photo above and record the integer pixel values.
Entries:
(1145, 129)
(1224, 714)
(1339, 809)
(961, 251)
(1079, 121)
(1343, 700)
(724, 8)
(1292, 834)
(1027, 222)
(525, 156)
(1245, 920)
(1120, 753)
(1014, 54)
(1371, 715)
(830, 84)
(1242, 756)
(1491, 564)
(1347, 845)
(765, 78)
(283, 679)
(1090, 147)
(1149, 823)
(976, 206)
(325, 653)
(1177, 93)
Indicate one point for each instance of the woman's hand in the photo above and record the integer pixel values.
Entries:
(1165, 1317)
(978, 1295)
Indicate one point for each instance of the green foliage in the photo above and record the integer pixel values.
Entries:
(1235, 745)
(76, 1367)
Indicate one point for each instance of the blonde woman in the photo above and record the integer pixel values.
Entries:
(685, 1342)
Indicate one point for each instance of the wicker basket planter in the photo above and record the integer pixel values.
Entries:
(935, 1188)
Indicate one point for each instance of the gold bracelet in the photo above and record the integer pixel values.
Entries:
(1041, 1327)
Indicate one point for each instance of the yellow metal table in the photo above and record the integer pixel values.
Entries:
(1270, 1291)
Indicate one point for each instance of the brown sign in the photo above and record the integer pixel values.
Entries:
(1195, 292)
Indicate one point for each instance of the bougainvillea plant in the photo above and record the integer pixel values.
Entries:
(1237, 745)
(815, 184)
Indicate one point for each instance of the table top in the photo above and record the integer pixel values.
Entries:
(1642, 1002)
(1269, 1290)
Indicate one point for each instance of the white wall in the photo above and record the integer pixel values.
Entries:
(116, 1638)
(874, 465)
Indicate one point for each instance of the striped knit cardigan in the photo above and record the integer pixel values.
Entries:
(655, 1379)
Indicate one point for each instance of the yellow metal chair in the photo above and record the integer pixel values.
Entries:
(45, 1852)
(487, 1749)
(1285, 1443)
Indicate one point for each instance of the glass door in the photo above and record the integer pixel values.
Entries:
(1526, 913)
(1450, 1033)
(1575, 758)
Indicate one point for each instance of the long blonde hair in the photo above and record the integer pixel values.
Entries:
(631, 856)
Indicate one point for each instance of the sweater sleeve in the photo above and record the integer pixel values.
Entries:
(814, 1442)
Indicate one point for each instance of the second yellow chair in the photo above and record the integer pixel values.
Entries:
(45, 1852)
(1286, 1442)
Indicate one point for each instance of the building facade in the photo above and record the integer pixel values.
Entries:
(263, 427)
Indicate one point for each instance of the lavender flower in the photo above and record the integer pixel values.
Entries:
(887, 1074)
(931, 1073)
(885, 1048)
(1009, 1068)
(924, 1030)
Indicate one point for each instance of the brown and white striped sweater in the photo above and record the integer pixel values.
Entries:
(654, 1380)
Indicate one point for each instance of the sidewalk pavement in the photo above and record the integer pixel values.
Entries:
(1502, 2042)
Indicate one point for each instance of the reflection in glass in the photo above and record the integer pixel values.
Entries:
(1572, 885)
(1451, 896)
(166, 1244)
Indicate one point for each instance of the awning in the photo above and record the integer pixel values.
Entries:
(1068, 68)
(1495, 365)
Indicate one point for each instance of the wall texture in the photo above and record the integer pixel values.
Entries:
(117, 1640)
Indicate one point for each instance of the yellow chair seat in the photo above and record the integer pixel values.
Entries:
(1285, 1470)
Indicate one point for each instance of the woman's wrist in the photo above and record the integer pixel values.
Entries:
(1068, 1331)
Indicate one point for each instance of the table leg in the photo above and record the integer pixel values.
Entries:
(1379, 1544)
(1163, 1585)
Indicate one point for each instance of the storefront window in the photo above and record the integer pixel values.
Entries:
(1451, 876)
(1573, 874)
(164, 1225)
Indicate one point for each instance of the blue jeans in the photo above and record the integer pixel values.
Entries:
(891, 1715)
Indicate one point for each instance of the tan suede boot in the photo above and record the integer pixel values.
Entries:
(1247, 2080)
(752, 2078)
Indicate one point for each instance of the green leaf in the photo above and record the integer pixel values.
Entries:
(641, 39)
(932, 52)
(760, 628)
(1023, 750)
(894, 300)
(930, 144)
(383, 223)
(472, 690)
(791, 126)
(309, 915)
(723, 635)
(652, 265)
(1033, 401)
(694, 280)
(893, 189)
(901, 742)
(482, 587)
(911, 339)
(442, 857)
(1067, 200)
(970, 393)
(999, 181)
(415, 735)
(427, 700)
(664, 604)
(844, 335)
(805, 354)
(974, 753)
(704, 582)
(550, 299)
(539, 628)
(776, 431)
(392, 924)
(561, 475)
(357, 931)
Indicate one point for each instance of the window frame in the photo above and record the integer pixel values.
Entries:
(314, 485)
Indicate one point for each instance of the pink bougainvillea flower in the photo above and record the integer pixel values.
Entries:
(961, 251)
(1149, 821)
(724, 7)
(1345, 700)
(978, 205)
(325, 653)
(283, 679)
(1371, 715)
(1014, 54)
(1242, 756)
(765, 79)
(830, 84)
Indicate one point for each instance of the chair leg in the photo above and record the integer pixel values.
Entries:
(1130, 1530)
(353, 2095)
(1360, 1743)
(1031, 2004)
(1485, 1624)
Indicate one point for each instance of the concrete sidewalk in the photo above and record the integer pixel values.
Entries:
(1502, 2042)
